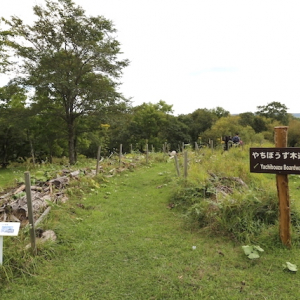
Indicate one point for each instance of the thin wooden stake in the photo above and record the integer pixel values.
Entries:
(1, 250)
(30, 212)
(185, 164)
(98, 159)
(177, 165)
(147, 154)
(120, 156)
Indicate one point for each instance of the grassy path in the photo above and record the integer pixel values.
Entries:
(127, 244)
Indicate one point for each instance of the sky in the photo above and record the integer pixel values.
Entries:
(234, 54)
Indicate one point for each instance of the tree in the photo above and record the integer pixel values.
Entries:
(147, 122)
(246, 119)
(294, 133)
(199, 121)
(175, 133)
(71, 61)
(13, 117)
(274, 110)
(220, 112)
(3, 50)
(228, 126)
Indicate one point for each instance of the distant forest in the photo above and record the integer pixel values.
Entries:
(64, 100)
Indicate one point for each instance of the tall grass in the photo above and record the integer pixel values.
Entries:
(221, 196)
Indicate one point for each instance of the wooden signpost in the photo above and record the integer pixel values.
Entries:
(281, 161)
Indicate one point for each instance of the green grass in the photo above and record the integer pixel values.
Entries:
(8, 177)
(126, 243)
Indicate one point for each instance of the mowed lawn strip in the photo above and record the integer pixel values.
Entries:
(122, 241)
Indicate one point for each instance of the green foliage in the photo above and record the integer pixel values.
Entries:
(199, 121)
(252, 251)
(60, 60)
(4, 63)
(291, 267)
(294, 133)
(274, 110)
(229, 200)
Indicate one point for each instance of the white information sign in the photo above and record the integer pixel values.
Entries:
(9, 228)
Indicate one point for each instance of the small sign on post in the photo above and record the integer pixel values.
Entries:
(7, 229)
(280, 161)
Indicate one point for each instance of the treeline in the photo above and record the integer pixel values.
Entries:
(26, 132)
(63, 99)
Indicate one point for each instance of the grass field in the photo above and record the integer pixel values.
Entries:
(123, 241)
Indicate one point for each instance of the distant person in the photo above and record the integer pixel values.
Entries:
(236, 139)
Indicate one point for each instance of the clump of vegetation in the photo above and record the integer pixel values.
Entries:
(229, 200)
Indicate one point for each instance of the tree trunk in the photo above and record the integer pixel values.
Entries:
(72, 159)
(5, 154)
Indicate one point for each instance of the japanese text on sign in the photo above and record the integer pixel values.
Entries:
(275, 160)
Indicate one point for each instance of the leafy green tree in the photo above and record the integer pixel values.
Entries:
(246, 119)
(146, 125)
(3, 50)
(199, 121)
(13, 117)
(294, 133)
(274, 110)
(175, 132)
(71, 61)
(220, 112)
(228, 126)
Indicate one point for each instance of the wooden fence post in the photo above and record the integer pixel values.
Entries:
(196, 147)
(30, 212)
(283, 191)
(120, 155)
(185, 164)
(98, 158)
(177, 165)
(147, 154)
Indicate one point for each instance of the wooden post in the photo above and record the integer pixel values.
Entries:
(147, 154)
(185, 164)
(283, 191)
(98, 158)
(1, 250)
(120, 155)
(30, 212)
(177, 165)
(32, 153)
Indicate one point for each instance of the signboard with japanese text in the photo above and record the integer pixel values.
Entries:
(9, 228)
(275, 160)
